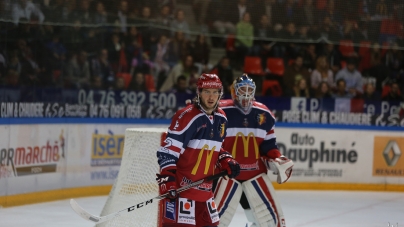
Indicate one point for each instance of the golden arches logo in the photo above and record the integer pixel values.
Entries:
(246, 142)
(208, 159)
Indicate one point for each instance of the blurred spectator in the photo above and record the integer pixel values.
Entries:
(262, 47)
(394, 94)
(138, 83)
(83, 13)
(394, 58)
(286, 11)
(294, 73)
(181, 87)
(93, 42)
(352, 32)
(180, 24)
(77, 70)
(97, 83)
(307, 14)
(370, 93)
(57, 52)
(263, 8)
(219, 18)
(341, 91)
(179, 47)
(142, 64)
(74, 36)
(2, 66)
(322, 73)
(119, 84)
(334, 16)
(12, 79)
(244, 38)
(114, 47)
(309, 55)
(200, 51)
(329, 30)
(352, 77)
(333, 57)
(165, 19)
(382, 10)
(185, 67)
(200, 8)
(122, 16)
(24, 9)
(149, 33)
(100, 15)
(100, 67)
(225, 73)
(378, 73)
(160, 57)
(15, 63)
(323, 91)
(301, 89)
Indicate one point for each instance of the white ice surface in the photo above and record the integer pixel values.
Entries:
(301, 208)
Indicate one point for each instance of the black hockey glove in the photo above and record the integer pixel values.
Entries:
(167, 184)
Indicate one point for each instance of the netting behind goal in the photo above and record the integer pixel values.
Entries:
(136, 180)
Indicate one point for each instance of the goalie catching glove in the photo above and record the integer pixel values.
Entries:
(167, 184)
(281, 166)
(229, 164)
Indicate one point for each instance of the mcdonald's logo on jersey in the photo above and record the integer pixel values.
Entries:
(261, 118)
(246, 144)
(204, 154)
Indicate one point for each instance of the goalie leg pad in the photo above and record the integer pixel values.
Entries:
(227, 196)
(263, 202)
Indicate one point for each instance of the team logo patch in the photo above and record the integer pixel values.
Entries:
(186, 212)
(169, 212)
(214, 215)
(222, 129)
(245, 122)
(261, 118)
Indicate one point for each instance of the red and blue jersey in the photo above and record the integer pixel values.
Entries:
(194, 140)
(250, 136)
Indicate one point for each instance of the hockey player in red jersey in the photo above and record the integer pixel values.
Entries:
(251, 141)
(191, 151)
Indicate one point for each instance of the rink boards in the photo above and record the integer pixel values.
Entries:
(67, 159)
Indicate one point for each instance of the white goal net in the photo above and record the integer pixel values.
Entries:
(136, 180)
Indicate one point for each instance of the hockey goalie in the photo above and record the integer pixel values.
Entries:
(251, 141)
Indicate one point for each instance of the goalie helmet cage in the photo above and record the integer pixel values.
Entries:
(136, 181)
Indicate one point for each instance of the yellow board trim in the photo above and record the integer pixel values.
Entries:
(67, 193)
(52, 195)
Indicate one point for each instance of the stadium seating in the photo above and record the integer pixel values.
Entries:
(276, 66)
(346, 48)
(271, 88)
(253, 65)
(150, 83)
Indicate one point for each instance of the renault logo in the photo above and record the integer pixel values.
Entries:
(391, 146)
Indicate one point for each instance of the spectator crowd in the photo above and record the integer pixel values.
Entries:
(155, 45)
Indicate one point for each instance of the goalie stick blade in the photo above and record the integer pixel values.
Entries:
(82, 213)
(97, 219)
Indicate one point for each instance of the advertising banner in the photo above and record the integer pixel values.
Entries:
(343, 156)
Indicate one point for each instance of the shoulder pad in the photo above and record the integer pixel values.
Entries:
(226, 103)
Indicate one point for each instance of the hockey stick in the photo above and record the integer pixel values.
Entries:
(84, 214)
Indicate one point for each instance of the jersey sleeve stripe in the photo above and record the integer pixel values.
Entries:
(186, 127)
(169, 151)
(199, 144)
(270, 136)
(256, 131)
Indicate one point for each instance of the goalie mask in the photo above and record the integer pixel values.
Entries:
(208, 81)
(242, 92)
